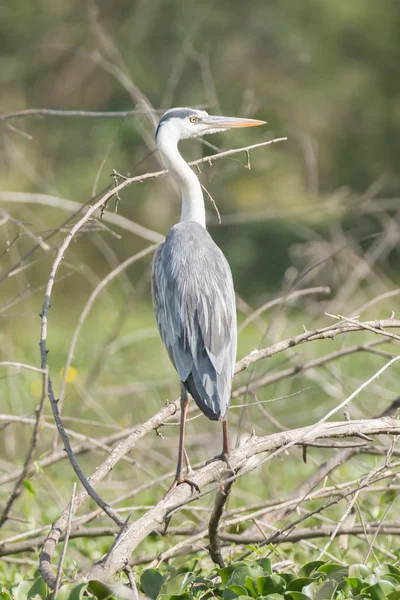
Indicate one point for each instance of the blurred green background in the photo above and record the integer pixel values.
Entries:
(321, 208)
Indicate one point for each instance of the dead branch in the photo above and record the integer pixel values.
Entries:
(76, 207)
(136, 532)
(273, 377)
(105, 281)
(282, 300)
(325, 333)
(32, 447)
(65, 546)
(389, 528)
(154, 423)
(221, 499)
(91, 114)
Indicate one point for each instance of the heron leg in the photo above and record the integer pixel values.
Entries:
(224, 456)
(180, 477)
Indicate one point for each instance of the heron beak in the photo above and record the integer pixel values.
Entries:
(230, 122)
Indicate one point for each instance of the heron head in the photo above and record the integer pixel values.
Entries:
(184, 123)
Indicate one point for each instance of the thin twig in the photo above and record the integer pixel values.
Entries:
(91, 114)
(65, 546)
(297, 294)
(35, 436)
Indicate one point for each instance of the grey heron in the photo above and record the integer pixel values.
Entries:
(192, 287)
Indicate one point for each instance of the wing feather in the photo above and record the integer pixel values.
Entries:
(195, 309)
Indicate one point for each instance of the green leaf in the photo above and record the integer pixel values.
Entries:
(355, 583)
(271, 584)
(39, 587)
(236, 591)
(184, 596)
(308, 569)
(358, 570)
(28, 486)
(297, 585)
(238, 577)
(226, 572)
(176, 585)
(379, 591)
(333, 568)
(97, 589)
(394, 596)
(151, 581)
(251, 587)
(265, 564)
(297, 595)
(20, 591)
(325, 590)
(70, 591)
(288, 577)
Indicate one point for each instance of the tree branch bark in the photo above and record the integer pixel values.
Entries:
(119, 555)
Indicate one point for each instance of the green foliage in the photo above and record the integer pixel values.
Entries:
(248, 580)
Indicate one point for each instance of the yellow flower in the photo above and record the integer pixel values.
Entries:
(37, 388)
(72, 374)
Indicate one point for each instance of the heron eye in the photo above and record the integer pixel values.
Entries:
(193, 119)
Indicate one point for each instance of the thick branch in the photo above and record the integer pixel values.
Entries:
(309, 336)
(136, 532)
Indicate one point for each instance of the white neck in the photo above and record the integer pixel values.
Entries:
(192, 195)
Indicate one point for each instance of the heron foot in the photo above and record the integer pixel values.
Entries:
(224, 457)
(179, 479)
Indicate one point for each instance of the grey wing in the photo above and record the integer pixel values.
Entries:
(196, 316)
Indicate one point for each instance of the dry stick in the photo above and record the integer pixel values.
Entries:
(213, 535)
(114, 273)
(325, 333)
(371, 478)
(88, 445)
(254, 315)
(329, 414)
(91, 443)
(159, 418)
(132, 582)
(136, 532)
(111, 563)
(49, 112)
(75, 207)
(18, 365)
(65, 546)
(316, 532)
(35, 436)
(371, 544)
(94, 532)
(338, 525)
(123, 447)
(300, 368)
(302, 493)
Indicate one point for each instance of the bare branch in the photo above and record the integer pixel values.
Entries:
(87, 114)
(139, 530)
(309, 336)
(318, 532)
(65, 546)
(282, 300)
(35, 436)
(221, 499)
